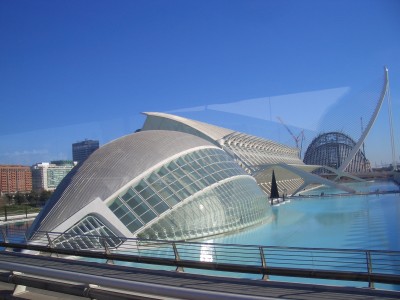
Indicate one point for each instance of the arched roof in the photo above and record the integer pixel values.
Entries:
(331, 149)
(242, 144)
(331, 137)
(324, 142)
(110, 168)
(209, 132)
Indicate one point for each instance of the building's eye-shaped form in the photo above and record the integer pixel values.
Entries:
(152, 184)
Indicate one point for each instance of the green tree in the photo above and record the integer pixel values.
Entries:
(19, 198)
(9, 199)
(44, 196)
(33, 198)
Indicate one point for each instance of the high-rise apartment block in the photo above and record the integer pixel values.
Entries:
(46, 176)
(82, 150)
(14, 178)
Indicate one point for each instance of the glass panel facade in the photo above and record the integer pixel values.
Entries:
(56, 174)
(230, 206)
(171, 184)
(88, 233)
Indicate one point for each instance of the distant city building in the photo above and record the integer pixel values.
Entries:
(47, 176)
(15, 179)
(82, 150)
(331, 149)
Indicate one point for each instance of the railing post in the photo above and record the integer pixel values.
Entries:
(137, 246)
(369, 266)
(215, 259)
(5, 238)
(263, 264)
(26, 236)
(5, 213)
(106, 250)
(4, 234)
(177, 258)
(50, 245)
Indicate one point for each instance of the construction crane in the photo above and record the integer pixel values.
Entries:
(297, 139)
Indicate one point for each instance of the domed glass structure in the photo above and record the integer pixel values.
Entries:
(331, 149)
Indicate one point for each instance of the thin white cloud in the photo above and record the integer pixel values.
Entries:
(25, 152)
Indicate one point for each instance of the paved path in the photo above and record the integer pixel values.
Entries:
(185, 285)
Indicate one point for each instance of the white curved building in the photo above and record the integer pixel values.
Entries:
(176, 179)
(153, 184)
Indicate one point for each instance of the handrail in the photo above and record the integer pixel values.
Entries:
(369, 266)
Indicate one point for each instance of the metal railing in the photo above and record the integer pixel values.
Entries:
(22, 212)
(338, 264)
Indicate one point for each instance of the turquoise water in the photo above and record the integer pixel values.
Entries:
(347, 222)
(342, 222)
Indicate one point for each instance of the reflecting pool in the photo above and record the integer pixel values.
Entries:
(333, 221)
(347, 222)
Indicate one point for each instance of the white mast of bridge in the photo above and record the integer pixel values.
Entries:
(369, 125)
(394, 164)
(385, 93)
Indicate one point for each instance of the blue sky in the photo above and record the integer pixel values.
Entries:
(71, 70)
